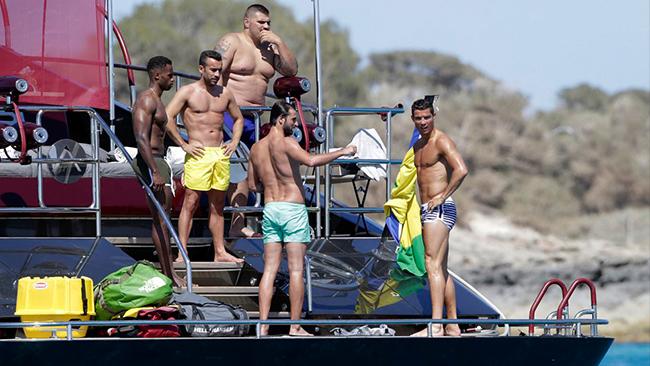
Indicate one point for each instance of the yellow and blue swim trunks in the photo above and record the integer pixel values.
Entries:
(211, 171)
(285, 222)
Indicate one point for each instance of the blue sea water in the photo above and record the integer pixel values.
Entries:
(627, 354)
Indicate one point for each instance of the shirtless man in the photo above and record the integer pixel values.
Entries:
(207, 164)
(149, 121)
(274, 163)
(250, 60)
(440, 171)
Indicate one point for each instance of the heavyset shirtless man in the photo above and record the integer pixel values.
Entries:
(207, 165)
(274, 164)
(440, 171)
(250, 60)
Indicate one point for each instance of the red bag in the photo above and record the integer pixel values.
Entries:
(159, 330)
(154, 330)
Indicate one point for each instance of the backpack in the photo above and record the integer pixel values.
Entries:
(131, 287)
(196, 307)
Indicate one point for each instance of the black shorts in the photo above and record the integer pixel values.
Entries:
(140, 167)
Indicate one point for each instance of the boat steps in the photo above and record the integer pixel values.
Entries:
(244, 296)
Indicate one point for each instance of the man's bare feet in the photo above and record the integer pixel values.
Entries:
(244, 232)
(436, 331)
(179, 281)
(452, 330)
(227, 257)
(299, 331)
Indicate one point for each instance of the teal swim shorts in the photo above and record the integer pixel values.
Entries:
(285, 222)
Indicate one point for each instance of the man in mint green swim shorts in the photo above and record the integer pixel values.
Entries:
(285, 222)
(274, 164)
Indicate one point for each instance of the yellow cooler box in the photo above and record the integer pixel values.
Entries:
(54, 299)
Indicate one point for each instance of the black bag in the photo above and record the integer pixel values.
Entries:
(196, 307)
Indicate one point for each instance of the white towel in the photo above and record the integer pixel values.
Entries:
(369, 146)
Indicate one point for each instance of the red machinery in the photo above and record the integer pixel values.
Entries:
(29, 135)
(291, 88)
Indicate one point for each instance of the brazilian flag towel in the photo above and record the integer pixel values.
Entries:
(403, 218)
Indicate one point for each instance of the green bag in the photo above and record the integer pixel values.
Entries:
(130, 287)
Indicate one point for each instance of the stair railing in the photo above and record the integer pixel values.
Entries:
(594, 306)
(561, 311)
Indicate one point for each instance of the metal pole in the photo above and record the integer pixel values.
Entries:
(319, 114)
(257, 126)
(328, 183)
(39, 171)
(132, 94)
(308, 275)
(388, 154)
(258, 195)
(111, 68)
(178, 86)
(96, 186)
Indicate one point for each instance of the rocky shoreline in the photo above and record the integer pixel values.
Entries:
(509, 264)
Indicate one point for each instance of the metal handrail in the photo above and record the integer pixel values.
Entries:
(540, 295)
(592, 290)
(96, 122)
(95, 206)
(257, 323)
(142, 68)
(581, 313)
(329, 123)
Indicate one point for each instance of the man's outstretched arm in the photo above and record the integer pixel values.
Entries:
(303, 157)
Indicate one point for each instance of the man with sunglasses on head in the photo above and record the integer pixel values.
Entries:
(274, 167)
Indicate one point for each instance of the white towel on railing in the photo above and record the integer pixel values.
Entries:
(369, 146)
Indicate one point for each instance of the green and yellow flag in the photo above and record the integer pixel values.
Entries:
(403, 218)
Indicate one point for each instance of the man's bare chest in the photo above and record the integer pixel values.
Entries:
(427, 156)
(207, 103)
(252, 61)
(160, 116)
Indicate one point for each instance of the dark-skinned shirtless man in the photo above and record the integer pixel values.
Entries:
(250, 59)
(149, 120)
(274, 164)
(440, 171)
(207, 160)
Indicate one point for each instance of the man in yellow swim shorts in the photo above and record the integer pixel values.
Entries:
(207, 165)
(275, 164)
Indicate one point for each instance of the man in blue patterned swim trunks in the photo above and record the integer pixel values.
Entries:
(440, 171)
(274, 164)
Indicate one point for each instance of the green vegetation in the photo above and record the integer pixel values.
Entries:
(589, 155)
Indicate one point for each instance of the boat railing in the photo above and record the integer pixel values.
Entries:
(594, 306)
(94, 161)
(69, 326)
(540, 296)
(330, 115)
(97, 124)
